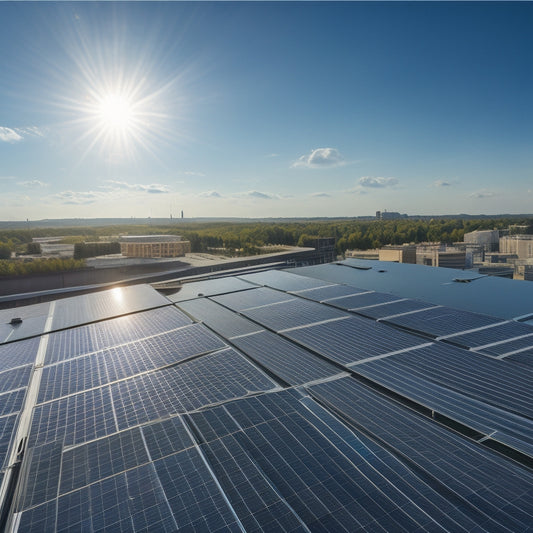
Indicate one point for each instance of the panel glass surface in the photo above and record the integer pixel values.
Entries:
(11, 402)
(33, 321)
(292, 314)
(167, 437)
(354, 339)
(7, 428)
(239, 301)
(19, 353)
(15, 378)
(507, 347)
(292, 364)
(500, 332)
(225, 322)
(393, 308)
(443, 321)
(330, 291)
(358, 301)
(210, 287)
(283, 280)
(524, 358)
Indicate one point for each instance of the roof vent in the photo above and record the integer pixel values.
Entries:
(16, 321)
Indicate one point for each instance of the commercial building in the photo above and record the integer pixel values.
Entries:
(489, 239)
(154, 246)
(520, 245)
(405, 253)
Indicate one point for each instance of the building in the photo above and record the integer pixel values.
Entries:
(354, 396)
(439, 255)
(154, 246)
(389, 215)
(405, 253)
(488, 239)
(520, 245)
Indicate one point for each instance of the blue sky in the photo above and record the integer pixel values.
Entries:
(265, 109)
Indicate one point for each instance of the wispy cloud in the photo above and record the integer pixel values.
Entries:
(9, 136)
(33, 184)
(321, 195)
(193, 173)
(210, 194)
(153, 188)
(259, 195)
(78, 198)
(320, 158)
(377, 183)
(442, 183)
(482, 194)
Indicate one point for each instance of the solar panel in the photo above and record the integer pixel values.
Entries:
(441, 321)
(500, 332)
(33, 321)
(19, 353)
(291, 314)
(283, 280)
(218, 318)
(394, 308)
(292, 364)
(204, 381)
(210, 287)
(358, 301)
(167, 437)
(525, 358)
(329, 291)
(11, 402)
(474, 474)
(15, 378)
(506, 347)
(7, 427)
(96, 306)
(352, 340)
(486, 379)
(245, 299)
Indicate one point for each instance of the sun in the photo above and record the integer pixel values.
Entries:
(116, 113)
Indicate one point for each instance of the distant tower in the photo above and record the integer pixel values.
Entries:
(182, 213)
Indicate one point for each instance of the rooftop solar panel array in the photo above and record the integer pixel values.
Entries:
(398, 307)
(501, 349)
(358, 301)
(496, 334)
(265, 416)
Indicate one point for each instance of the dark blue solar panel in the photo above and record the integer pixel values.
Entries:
(43, 475)
(86, 464)
(210, 287)
(166, 438)
(11, 402)
(74, 419)
(283, 280)
(92, 337)
(29, 327)
(246, 299)
(210, 379)
(296, 313)
(7, 428)
(442, 321)
(330, 291)
(193, 496)
(18, 353)
(354, 339)
(493, 485)
(394, 308)
(39, 519)
(506, 347)
(218, 318)
(486, 379)
(292, 364)
(500, 332)
(524, 358)
(358, 301)
(15, 379)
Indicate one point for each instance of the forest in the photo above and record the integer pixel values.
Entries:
(244, 238)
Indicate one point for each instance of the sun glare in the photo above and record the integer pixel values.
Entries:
(116, 112)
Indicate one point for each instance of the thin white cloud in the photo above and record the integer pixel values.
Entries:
(33, 184)
(377, 183)
(31, 131)
(442, 183)
(320, 158)
(153, 188)
(78, 198)
(321, 195)
(210, 194)
(192, 173)
(259, 195)
(482, 194)
(9, 136)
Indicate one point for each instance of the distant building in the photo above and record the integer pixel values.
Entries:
(489, 239)
(405, 253)
(521, 245)
(154, 246)
(438, 255)
(389, 215)
(363, 254)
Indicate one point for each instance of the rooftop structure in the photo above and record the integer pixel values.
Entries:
(154, 246)
(299, 400)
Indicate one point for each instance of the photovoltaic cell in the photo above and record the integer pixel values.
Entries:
(443, 321)
(292, 364)
(11, 402)
(507, 347)
(393, 308)
(167, 437)
(73, 419)
(15, 379)
(358, 301)
(40, 518)
(500, 332)
(473, 473)
(96, 460)
(354, 339)
(92, 337)
(245, 299)
(100, 305)
(218, 318)
(330, 291)
(210, 287)
(489, 380)
(19, 353)
(292, 314)
(524, 358)
(283, 280)
(204, 381)
(7, 429)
